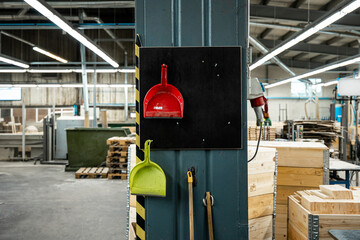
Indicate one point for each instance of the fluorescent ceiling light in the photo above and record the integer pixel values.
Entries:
(307, 33)
(12, 70)
(49, 71)
(42, 7)
(69, 70)
(46, 85)
(325, 68)
(12, 61)
(127, 70)
(330, 83)
(42, 51)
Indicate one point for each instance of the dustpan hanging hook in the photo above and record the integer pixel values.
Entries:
(164, 75)
(147, 151)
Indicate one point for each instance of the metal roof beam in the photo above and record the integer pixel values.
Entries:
(298, 15)
(314, 48)
(74, 4)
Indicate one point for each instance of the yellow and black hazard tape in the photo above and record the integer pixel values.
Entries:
(140, 200)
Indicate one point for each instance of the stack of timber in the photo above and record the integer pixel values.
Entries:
(117, 159)
(267, 134)
(322, 130)
(301, 166)
(312, 213)
(261, 197)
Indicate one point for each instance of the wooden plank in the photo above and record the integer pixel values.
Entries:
(260, 206)
(336, 191)
(295, 176)
(79, 172)
(298, 216)
(339, 222)
(294, 233)
(281, 222)
(122, 176)
(259, 184)
(264, 161)
(260, 228)
(283, 192)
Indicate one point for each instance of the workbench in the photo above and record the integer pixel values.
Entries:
(336, 165)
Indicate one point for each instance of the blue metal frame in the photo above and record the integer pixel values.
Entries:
(222, 172)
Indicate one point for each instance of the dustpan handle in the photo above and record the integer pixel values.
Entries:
(147, 151)
(164, 75)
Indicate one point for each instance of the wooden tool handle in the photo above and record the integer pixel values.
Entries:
(209, 213)
(191, 211)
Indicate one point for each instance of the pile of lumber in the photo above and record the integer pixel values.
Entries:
(117, 158)
(267, 134)
(312, 213)
(301, 166)
(322, 130)
(261, 187)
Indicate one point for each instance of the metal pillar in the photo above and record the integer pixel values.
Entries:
(126, 91)
(222, 172)
(23, 131)
(94, 94)
(344, 129)
(84, 78)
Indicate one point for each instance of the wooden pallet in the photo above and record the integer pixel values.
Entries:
(117, 165)
(117, 170)
(116, 160)
(117, 153)
(94, 172)
(117, 176)
(120, 141)
(118, 148)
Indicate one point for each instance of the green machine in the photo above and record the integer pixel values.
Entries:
(202, 150)
(87, 146)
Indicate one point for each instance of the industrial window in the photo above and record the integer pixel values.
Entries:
(10, 94)
(306, 88)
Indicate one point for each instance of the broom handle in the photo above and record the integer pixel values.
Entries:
(209, 212)
(164, 75)
(191, 211)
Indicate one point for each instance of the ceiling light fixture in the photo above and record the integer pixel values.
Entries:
(66, 70)
(322, 69)
(69, 85)
(42, 51)
(302, 35)
(45, 9)
(13, 61)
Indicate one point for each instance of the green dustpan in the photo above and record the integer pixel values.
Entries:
(147, 178)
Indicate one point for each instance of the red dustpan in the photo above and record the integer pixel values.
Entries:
(163, 100)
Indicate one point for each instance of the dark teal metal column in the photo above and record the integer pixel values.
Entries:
(222, 172)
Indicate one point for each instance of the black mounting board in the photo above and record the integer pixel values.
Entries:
(209, 79)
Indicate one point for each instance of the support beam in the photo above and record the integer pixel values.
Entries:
(275, 60)
(49, 26)
(264, 33)
(297, 3)
(313, 48)
(298, 15)
(74, 4)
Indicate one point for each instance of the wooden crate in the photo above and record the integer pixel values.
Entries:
(300, 166)
(296, 154)
(315, 212)
(261, 183)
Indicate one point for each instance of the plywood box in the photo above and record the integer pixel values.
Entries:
(260, 206)
(261, 228)
(314, 212)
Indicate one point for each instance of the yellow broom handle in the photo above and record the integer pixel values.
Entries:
(191, 206)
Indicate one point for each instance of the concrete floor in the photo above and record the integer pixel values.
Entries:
(44, 202)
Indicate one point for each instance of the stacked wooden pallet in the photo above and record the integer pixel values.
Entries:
(301, 165)
(312, 213)
(117, 158)
(261, 187)
(268, 133)
(323, 130)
